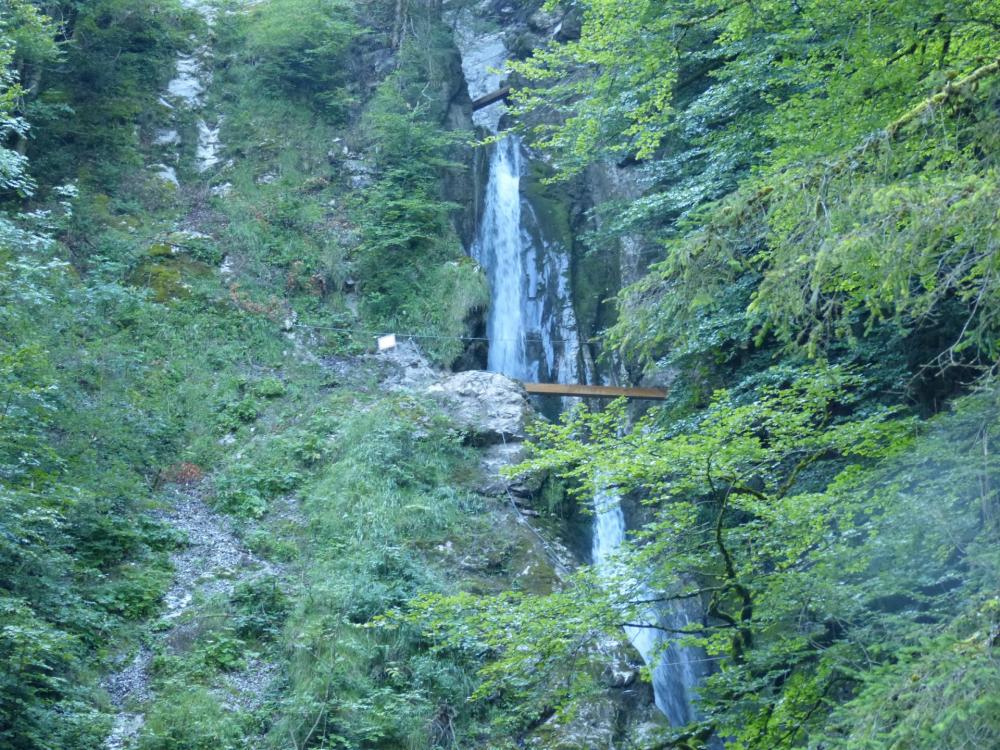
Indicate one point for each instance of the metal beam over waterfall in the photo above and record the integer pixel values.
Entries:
(593, 391)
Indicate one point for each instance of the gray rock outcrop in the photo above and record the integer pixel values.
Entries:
(491, 407)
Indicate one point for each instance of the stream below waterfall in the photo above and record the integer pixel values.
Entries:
(675, 669)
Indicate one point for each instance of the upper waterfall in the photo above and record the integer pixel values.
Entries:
(498, 250)
(531, 324)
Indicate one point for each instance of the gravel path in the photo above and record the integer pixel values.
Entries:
(212, 562)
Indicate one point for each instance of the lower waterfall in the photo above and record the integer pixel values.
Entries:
(674, 668)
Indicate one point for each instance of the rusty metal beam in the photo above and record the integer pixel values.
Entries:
(593, 391)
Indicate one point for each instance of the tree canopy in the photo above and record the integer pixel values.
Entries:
(820, 190)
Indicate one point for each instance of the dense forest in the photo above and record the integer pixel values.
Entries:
(228, 521)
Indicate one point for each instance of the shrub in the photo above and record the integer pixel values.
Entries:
(261, 608)
(268, 388)
(300, 48)
(234, 414)
(189, 719)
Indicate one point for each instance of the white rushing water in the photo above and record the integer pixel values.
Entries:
(531, 325)
(674, 669)
(498, 250)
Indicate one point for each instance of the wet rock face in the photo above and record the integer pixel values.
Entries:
(483, 59)
(491, 407)
(496, 457)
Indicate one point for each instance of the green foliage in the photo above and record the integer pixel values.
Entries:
(221, 651)
(417, 277)
(36, 707)
(865, 235)
(822, 544)
(902, 238)
(896, 239)
(621, 103)
(116, 57)
(535, 654)
(845, 554)
(136, 590)
(300, 48)
(244, 489)
(782, 75)
(872, 146)
(268, 388)
(235, 413)
(261, 607)
(379, 507)
(122, 357)
(940, 695)
(74, 553)
(190, 719)
(391, 238)
(31, 36)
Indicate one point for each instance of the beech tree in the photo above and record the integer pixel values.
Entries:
(794, 518)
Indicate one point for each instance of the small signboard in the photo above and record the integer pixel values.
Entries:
(387, 342)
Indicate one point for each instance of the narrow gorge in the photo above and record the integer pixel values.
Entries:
(282, 283)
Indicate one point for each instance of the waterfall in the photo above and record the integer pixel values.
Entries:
(532, 336)
(498, 250)
(531, 325)
(674, 668)
(532, 332)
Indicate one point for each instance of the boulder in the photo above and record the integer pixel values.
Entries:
(490, 406)
(405, 368)
(594, 724)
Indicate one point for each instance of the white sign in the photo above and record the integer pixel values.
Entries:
(387, 342)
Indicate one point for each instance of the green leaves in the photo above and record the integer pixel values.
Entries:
(869, 205)
(415, 273)
(943, 694)
(821, 537)
(622, 102)
(893, 241)
(194, 720)
(300, 49)
(538, 652)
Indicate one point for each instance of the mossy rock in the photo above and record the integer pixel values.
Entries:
(163, 280)
(167, 278)
(551, 205)
(160, 250)
(594, 724)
